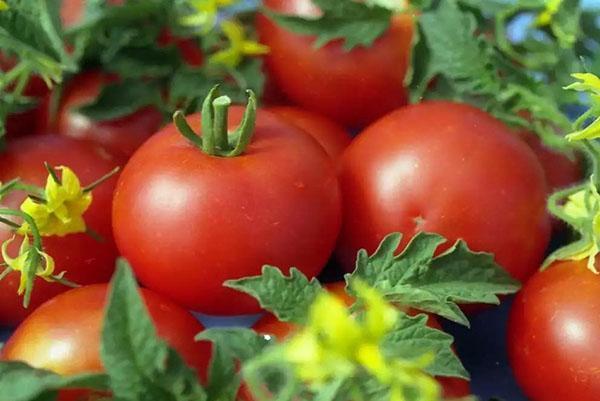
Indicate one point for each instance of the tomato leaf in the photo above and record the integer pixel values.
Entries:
(357, 24)
(21, 382)
(289, 298)
(415, 278)
(141, 366)
(412, 338)
(121, 99)
(230, 346)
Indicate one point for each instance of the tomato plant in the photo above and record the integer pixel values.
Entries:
(122, 135)
(332, 137)
(446, 168)
(85, 259)
(63, 335)
(553, 346)
(189, 220)
(353, 87)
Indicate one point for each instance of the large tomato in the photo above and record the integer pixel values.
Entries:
(355, 87)
(123, 135)
(63, 335)
(332, 137)
(269, 325)
(188, 221)
(85, 260)
(447, 168)
(552, 336)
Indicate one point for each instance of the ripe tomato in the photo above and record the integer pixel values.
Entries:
(63, 335)
(188, 221)
(560, 170)
(120, 136)
(552, 335)
(355, 87)
(85, 260)
(269, 325)
(332, 137)
(446, 168)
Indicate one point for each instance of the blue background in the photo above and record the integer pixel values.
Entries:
(481, 348)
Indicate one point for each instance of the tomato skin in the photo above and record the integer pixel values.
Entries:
(446, 168)
(123, 135)
(64, 334)
(552, 334)
(332, 137)
(269, 325)
(85, 260)
(353, 88)
(188, 221)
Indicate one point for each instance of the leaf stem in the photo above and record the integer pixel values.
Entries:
(221, 107)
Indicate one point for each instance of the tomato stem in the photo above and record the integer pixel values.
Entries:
(215, 135)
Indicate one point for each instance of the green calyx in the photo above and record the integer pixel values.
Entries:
(216, 139)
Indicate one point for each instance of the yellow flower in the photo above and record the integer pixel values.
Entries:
(336, 344)
(205, 15)
(44, 270)
(62, 210)
(590, 83)
(239, 46)
(545, 17)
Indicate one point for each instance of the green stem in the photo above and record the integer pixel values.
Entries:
(34, 258)
(208, 134)
(221, 108)
(557, 200)
(13, 75)
(101, 180)
(593, 153)
(185, 129)
(246, 129)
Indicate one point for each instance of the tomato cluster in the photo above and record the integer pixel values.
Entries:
(302, 192)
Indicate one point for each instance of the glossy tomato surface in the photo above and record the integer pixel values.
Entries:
(84, 259)
(121, 136)
(63, 335)
(269, 325)
(331, 136)
(450, 169)
(352, 87)
(552, 336)
(188, 221)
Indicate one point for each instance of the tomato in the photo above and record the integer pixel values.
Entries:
(447, 168)
(63, 335)
(85, 260)
(355, 87)
(123, 135)
(188, 221)
(269, 325)
(561, 171)
(332, 137)
(552, 335)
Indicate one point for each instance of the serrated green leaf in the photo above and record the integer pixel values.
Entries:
(412, 338)
(415, 278)
(287, 297)
(357, 24)
(141, 366)
(121, 99)
(21, 382)
(230, 346)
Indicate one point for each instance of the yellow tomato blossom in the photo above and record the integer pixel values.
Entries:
(239, 46)
(336, 344)
(45, 268)
(205, 13)
(545, 17)
(61, 211)
(590, 83)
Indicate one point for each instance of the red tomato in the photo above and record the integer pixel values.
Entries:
(446, 168)
(269, 325)
(85, 260)
(552, 336)
(63, 335)
(355, 87)
(121, 136)
(560, 170)
(188, 221)
(332, 137)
